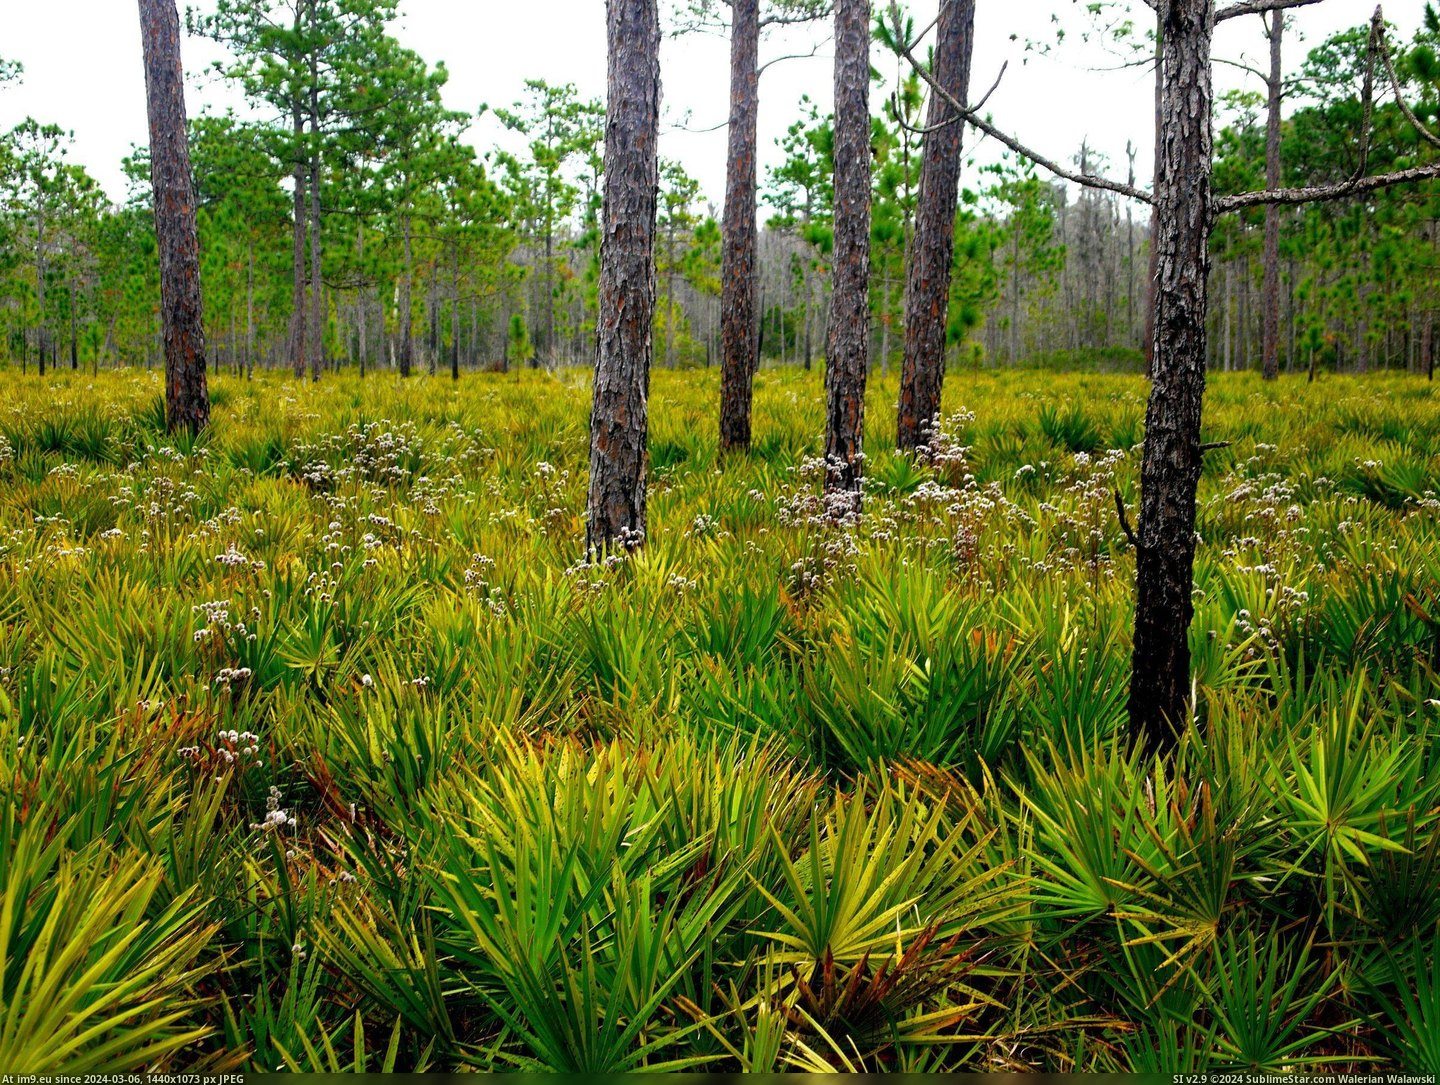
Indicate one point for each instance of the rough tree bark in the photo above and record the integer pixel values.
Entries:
(315, 326)
(619, 422)
(298, 322)
(1170, 471)
(739, 312)
(1155, 211)
(848, 340)
(406, 301)
(932, 250)
(187, 401)
(1270, 328)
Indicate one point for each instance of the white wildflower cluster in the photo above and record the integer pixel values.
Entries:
(551, 492)
(277, 818)
(231, 749)
(157, 499)
(230, 676)
(478, 582)
(383, 453)
(705, 526)
(234, 558)
(220, 624)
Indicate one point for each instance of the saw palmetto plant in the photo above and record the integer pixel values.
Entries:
(323, 750)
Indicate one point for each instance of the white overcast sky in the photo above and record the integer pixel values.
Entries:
(83, 72)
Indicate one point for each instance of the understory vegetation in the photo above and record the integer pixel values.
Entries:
(321, 749)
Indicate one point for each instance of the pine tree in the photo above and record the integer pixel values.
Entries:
(847, 345)
(187, 400)
(619, 422)
(927, 284)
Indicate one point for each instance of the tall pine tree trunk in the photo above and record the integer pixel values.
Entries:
(250, 309)
(42, 275)
(1270, 330)
(1150, 300)
(619, 422)
(187, 401)
(932, 252)
(739, 313)
(315, 346)
(847, 346)
(407, 280)
(1170, 472)
(299, 336)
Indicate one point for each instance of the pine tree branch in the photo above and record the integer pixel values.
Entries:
(1088, 180)
(1409, 114)
(1356, 186)
(1125, 520)
(919, 130)
(1259, 7)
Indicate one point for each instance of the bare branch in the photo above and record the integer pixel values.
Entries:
(1125, 519)
(1258, 7)
(1408, 113)
(790, 56)
(1367, 93)
(948, 121)
(907, 50)
(1265, 76)
(1356, 186)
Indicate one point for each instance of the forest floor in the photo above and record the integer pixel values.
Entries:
(321, 749)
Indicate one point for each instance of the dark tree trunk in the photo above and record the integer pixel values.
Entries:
(74, 333)
(298, 322)
(42, 275)
(1150, 300)
(847, 345)
(1270, 329)
(619, 416)
(739, 313)
(1170, 473)
(250, 310)
(315, 327)
(407, 278)
(932, 251)
(455, 313)
(187, 402)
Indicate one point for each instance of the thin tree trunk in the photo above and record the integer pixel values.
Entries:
(847, 346)
(619, 422)
(250, 310)
(1130, 251)
(187, 400)
(316, 325)
(739, 315)
(1270, 331)
(932, 252)
(455, 312)
(1170, 472)
(299, 336)
(407, 332)
(670, 308)
(74, 333)
(1151, 301)
(42, 273)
